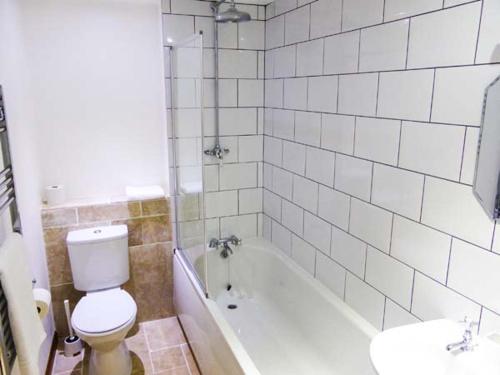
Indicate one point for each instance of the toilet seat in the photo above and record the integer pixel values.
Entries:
(103, 311)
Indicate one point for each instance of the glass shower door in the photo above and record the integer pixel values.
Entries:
(187, 162)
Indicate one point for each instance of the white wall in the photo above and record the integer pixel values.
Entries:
(23, 141)
(97, 69)
(373, 111)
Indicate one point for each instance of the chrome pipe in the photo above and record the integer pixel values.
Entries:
(216, 83)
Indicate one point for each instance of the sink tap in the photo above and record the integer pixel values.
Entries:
(466, 344)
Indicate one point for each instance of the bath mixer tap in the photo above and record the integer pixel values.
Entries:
(466, 344)
(225, 242)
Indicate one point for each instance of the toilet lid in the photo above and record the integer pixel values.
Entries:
(103, 311)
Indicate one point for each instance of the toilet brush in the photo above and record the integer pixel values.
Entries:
(73, 345)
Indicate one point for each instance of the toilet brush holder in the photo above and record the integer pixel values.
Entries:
(73, 345)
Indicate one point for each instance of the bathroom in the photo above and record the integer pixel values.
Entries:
(306, 195)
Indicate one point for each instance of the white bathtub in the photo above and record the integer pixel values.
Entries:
(285, 322)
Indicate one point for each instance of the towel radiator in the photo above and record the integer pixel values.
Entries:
(7, 346)
(7, 189)
(7, 202)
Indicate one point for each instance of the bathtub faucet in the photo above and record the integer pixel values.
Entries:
(225, 242)
(467, 343)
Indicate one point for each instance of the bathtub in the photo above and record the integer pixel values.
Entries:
(273, 319)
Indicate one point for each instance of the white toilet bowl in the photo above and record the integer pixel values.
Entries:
(102, 319)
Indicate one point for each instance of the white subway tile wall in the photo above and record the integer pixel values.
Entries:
(372, 116)
(234, 198)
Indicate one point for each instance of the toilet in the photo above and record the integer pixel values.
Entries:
(102, 318)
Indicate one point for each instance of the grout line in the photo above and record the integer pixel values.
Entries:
(377, 96)
(345, 284)
(323, 62)
(148, 345)
(463, 155)
(480, 319)
(355, 128)
(185, 360)
(494, 235)
(408, 43)
(389, 70)
(449, 261)
(392, 234)
(372, 182)
(346, 115)
(412, 289)
(399, 143)
(309, 20)
(383, 312)
(338, 92)
(380, 23)
(423, 199)
(349, 215)
(366, 262)
(341, 14)
(432, 95)
(479, 30)
(359, 50)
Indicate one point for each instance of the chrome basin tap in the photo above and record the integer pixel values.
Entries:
(225, 242)
(466, 344)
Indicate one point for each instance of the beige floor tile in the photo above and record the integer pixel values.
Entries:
(136, 341)
(141, 363)
(164, 333)
(157, 347)
(167, 359)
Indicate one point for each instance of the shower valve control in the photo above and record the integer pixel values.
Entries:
(217, 151)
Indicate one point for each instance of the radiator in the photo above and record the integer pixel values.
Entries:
(7, 346)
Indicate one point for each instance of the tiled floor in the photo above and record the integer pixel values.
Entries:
(157, 347)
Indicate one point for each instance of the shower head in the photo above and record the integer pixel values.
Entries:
(231, 15)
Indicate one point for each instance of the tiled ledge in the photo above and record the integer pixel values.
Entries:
(91, 213)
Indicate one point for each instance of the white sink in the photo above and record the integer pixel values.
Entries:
(420, 349)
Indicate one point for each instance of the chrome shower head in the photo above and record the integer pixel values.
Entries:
(232, 15)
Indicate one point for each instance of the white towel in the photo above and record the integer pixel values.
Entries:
(144, 192)
(27, 328)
